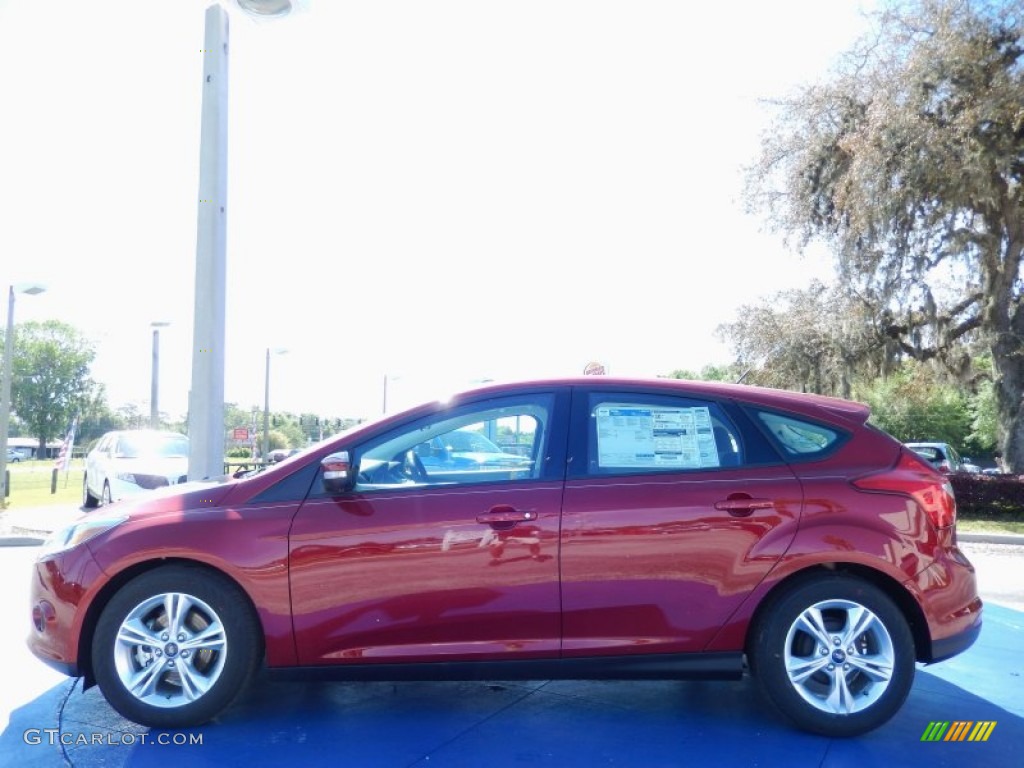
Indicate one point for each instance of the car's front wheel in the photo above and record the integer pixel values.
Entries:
(175, 646)
(88, 500)
(835, 654)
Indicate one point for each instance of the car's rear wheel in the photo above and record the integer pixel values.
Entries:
(834, 654)
(175, 646)
(88, 500)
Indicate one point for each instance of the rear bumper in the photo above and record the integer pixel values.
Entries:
(951, 646)
(947, 592)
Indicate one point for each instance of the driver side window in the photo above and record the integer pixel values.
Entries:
(496, 441)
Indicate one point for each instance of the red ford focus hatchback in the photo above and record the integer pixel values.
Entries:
(652, 529)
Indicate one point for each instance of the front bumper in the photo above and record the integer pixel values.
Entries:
(61, 591)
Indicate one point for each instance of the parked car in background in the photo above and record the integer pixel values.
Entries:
(465, 448)
(124, 463)
(944, 457)
(970, 466)
(13, 455)
(280, 454)
(657, 528)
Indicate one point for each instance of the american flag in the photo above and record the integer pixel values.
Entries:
(64, 459)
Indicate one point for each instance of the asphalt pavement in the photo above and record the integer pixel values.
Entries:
(50, 721)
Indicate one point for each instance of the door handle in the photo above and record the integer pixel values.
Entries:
(506, 516)
(743, 506)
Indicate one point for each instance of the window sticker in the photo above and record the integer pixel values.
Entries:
(655, 437)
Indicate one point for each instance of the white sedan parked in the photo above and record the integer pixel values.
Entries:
(125, 463)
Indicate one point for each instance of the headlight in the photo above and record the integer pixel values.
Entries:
(78, 533)
(127, 477)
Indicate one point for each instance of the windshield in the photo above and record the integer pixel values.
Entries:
(160, 446)
(471, 442)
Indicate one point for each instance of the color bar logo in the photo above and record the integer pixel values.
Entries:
(958, 730)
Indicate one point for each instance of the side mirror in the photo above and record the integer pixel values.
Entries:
(339, 476)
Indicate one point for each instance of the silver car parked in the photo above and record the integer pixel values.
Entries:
(127, 462)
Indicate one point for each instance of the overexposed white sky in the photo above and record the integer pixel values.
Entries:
(438, 191)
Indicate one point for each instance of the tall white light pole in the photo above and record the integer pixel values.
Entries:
(154, 390)
(206, 398)
(266, 403)
(32, 289)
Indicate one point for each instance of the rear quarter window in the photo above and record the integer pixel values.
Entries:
(798, 437)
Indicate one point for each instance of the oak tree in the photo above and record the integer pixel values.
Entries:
(907, 160)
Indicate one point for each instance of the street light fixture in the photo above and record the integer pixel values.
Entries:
(31, 289)
(270, 9)
(266, 403)
(154, 391)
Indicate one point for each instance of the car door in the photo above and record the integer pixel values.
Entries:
(451, 564)
(675, 509)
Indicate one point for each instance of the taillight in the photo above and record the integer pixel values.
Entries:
(915, 478)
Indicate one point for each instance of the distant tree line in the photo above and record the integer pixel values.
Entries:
(52, 384)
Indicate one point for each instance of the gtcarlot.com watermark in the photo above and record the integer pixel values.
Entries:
(55, 736)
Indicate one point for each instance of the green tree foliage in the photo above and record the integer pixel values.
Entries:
(278, 439)
(818, 339)
(289, 430)
(913, 406)
(132, 417)
(908, 162)
(984, 420)
(710, 373)
(292, 433)
(50, 377)
(96, 418)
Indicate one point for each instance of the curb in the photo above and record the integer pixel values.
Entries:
(991, 538)
(20, 540)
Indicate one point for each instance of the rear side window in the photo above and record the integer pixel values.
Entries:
(659, 434)
(798, 437)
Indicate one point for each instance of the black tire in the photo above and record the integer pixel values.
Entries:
(848, 678)
(88, 500)
(219, 664)
(106, 498)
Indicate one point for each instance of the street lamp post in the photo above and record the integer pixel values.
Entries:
(154, 391)
(266, 403)
(206, 397)
(389, 379)
(32, 289)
